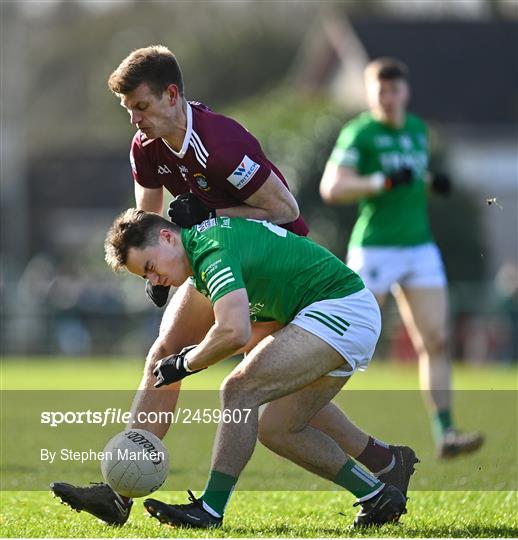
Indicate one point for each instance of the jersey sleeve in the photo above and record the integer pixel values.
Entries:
(349, 148)
(239, 167)
(216, 271)
(142, 170)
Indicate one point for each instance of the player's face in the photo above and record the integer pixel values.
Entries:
(388, 98)
(153, 115)
(164, 263)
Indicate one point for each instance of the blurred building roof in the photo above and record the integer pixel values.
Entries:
(461, 72)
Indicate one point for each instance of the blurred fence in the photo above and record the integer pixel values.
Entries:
(83, 317)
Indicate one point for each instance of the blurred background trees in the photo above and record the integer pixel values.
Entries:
(287, 71)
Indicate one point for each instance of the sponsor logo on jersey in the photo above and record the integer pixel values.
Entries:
(225, 223)
(383, 141)
(183, 171)
(207, 224)
(244, 172)
(406, 142)
(392, 161)
(210, 269)
(164, 169)
(202, 182)
(254, 310)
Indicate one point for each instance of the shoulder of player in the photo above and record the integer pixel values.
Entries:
(141, 142)
(205, 232)
(216, 129)
(416, 122)
(359, 127)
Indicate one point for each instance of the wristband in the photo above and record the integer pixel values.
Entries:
(185, 365)
(377, 181)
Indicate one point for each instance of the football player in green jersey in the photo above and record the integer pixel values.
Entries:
(380, 160)
(257, 271)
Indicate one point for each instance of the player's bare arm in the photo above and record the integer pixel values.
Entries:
(341, 185)
(231, 331)
(150, 200)
(271, 202)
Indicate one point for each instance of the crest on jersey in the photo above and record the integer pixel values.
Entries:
(201, 181)
(244, 172)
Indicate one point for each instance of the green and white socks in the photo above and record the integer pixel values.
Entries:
(217, 492)
(351, 476)
(358, 481)
(441, 423)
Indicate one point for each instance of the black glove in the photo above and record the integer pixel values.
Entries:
(172, 368)
(157, 293)
(441, 184)
(187, 210)
(399, 177)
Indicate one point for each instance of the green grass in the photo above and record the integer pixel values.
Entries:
(266, 513)
(44, 373)
(277, 514)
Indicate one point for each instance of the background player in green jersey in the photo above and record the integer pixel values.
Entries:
(255, 270)
(380, 160)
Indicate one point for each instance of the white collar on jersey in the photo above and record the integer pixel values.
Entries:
(185, 144)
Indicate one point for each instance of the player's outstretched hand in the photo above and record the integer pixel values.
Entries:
(157, 293)
(187, 210)
(400, 177)
(441, 184)
(172, 368)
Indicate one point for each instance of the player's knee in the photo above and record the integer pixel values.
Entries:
(158, 350)
(269, 434)
(435, 343)
(237, 391)
(274, 427)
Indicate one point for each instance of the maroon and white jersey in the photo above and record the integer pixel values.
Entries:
(220, 161)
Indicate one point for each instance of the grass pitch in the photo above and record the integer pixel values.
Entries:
(314, 513)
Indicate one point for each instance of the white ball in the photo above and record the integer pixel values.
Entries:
(135, 463)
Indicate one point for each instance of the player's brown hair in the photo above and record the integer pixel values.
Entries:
(155, 65)
(387, 69)
(133, 228)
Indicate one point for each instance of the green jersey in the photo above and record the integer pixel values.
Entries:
(390, 218)
(281, 271)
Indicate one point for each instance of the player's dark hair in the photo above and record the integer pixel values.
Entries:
(155, 65)
(387, 69)
(132, 229)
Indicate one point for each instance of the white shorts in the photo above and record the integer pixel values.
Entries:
(351, 325)
(383, 267)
